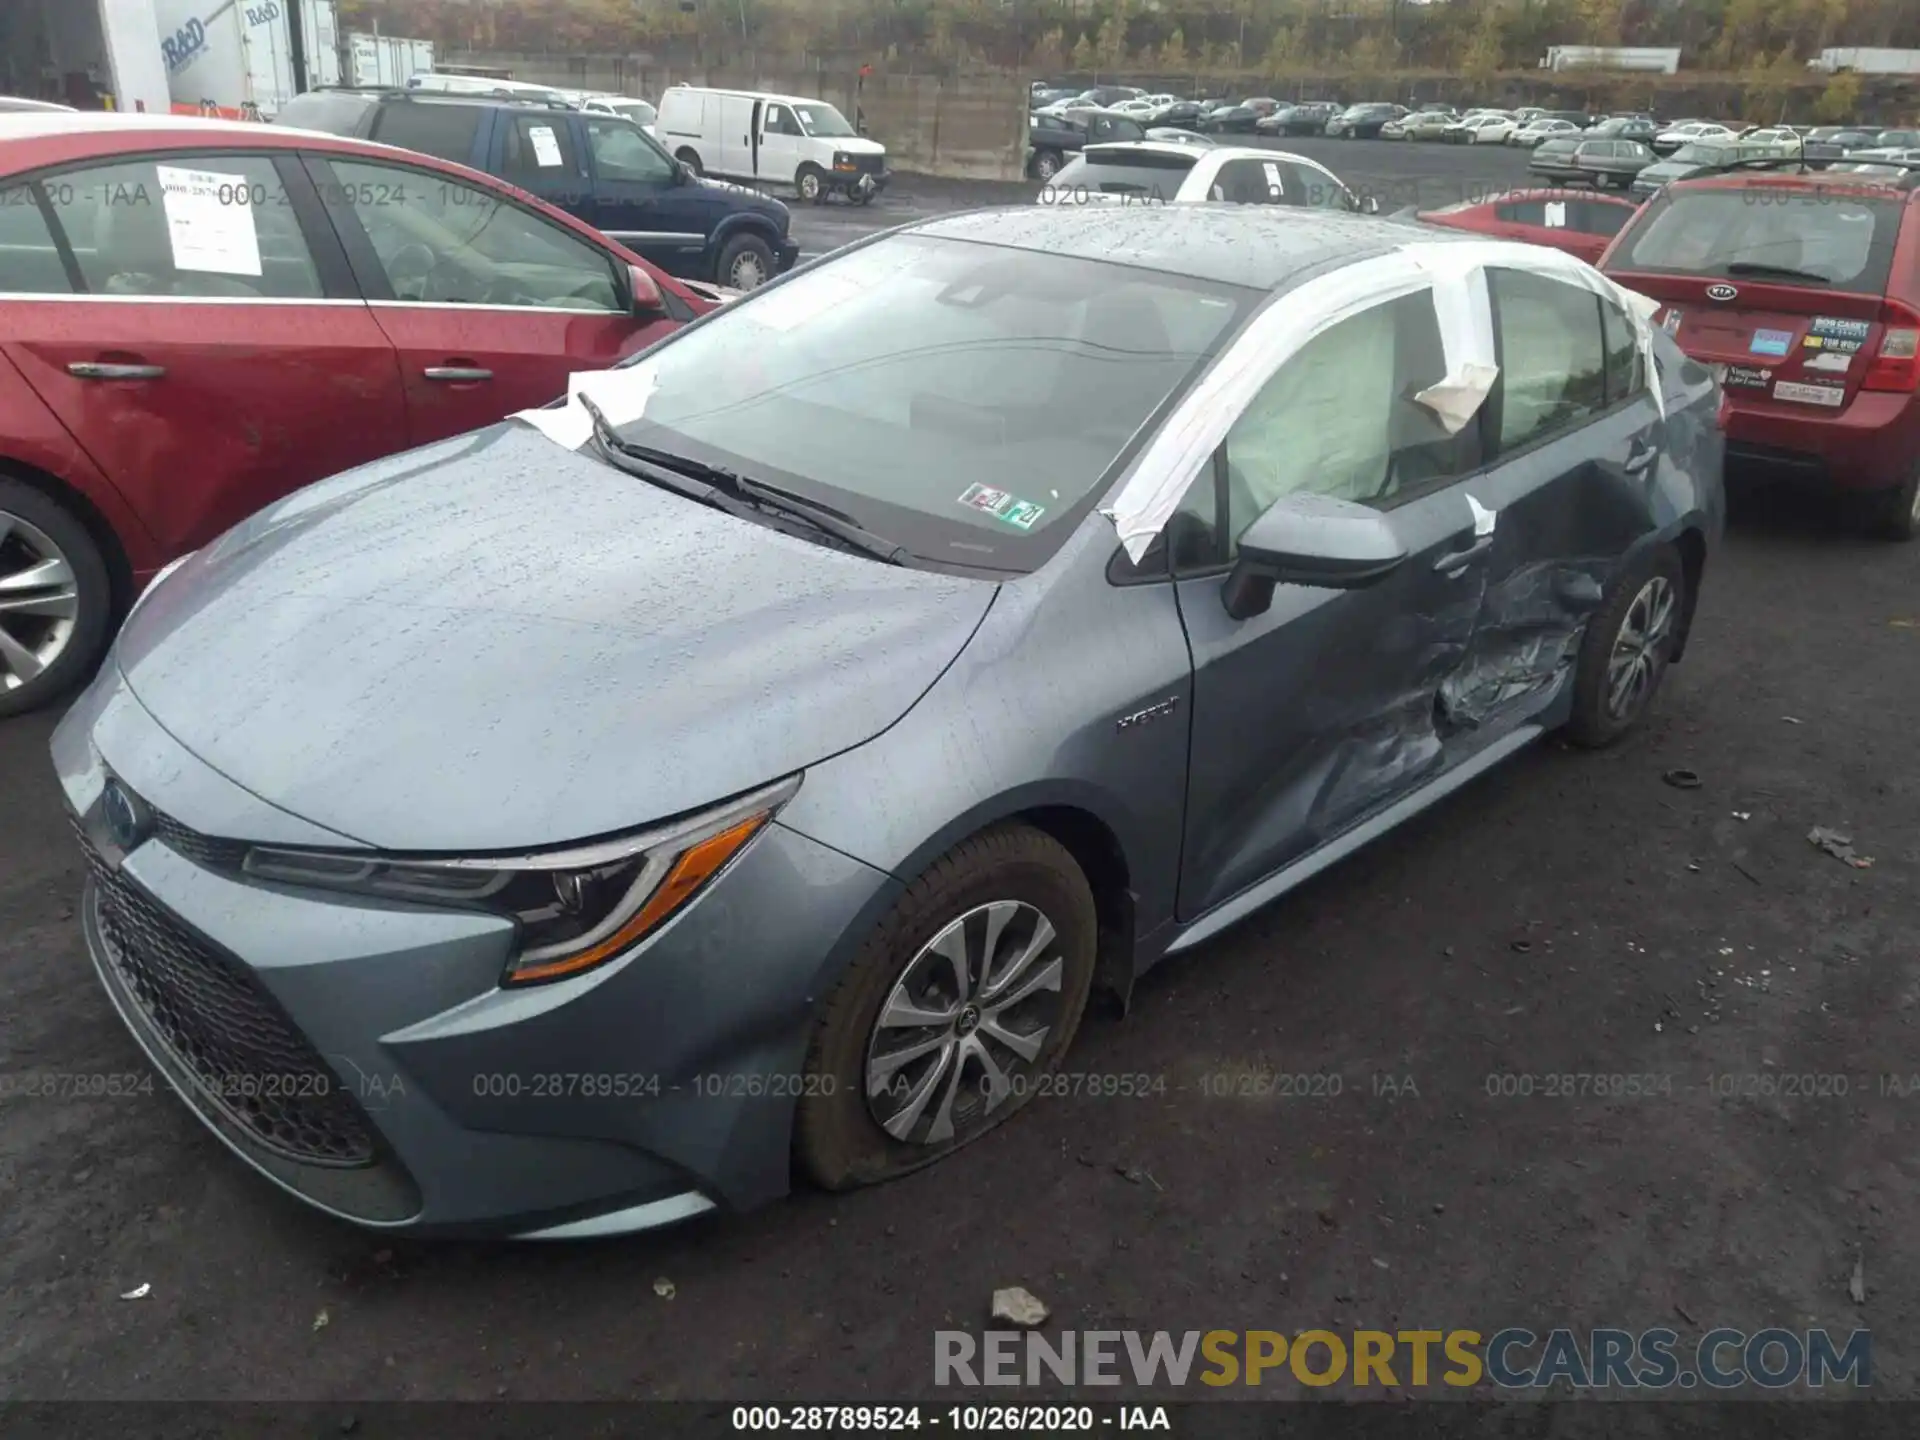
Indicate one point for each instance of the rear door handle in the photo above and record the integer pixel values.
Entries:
(1460, 559)
(457, 372)
(99, 370)
(1638, 460)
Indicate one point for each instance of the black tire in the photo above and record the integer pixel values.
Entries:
(810, 184)
(92, 621)
(690, 158)
(1047, 164)
(1596, 722)
(745, 258)
(1896, 513)
(837, 1140)
(857, 196)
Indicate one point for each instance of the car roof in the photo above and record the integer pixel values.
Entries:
(1896, 185)
(1257, 247)
(48, 125)
(758, 94)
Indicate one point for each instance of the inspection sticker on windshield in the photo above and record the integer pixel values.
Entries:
(985, 497)
(210, 221)
(1832, 396)
(1771, 342)
(1022, 514)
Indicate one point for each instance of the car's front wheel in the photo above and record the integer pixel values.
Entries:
(1046, 165)
(962, 999)
(56, 599)
(1628, 644)
(811, 183)
(746, 263)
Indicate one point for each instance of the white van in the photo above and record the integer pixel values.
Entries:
(785, 139)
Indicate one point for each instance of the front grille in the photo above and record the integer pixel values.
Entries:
(207, 850)
(867, 164)
(226, 1032)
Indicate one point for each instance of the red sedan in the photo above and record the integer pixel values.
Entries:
(199, 316)
(1580, 222)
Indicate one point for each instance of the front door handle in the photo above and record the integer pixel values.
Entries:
(1638, 460)
(99, 370)
(1460, 559)
(457, 373)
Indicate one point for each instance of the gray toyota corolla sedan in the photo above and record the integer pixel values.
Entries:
(750, 764)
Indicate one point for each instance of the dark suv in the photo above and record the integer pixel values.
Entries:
(1800, 289)
(603, 169)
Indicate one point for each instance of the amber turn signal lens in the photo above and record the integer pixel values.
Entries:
(697, 864)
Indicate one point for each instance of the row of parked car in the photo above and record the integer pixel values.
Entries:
(200, 316)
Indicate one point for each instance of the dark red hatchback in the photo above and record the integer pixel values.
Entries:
(1801, 290)
(199, 316)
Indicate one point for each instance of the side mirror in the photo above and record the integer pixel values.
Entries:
(682, 173)
(1370, 205)
(1310, 540)
(643, 293)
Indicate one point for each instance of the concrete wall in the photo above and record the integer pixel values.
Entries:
(964, 126)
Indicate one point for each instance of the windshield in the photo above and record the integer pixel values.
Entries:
(638, 111)
(1844, 235)
(822, 120)
(963, 400)
(1146, 177)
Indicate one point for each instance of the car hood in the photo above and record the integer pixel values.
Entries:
(496, 644)
(746, 197)
(856, 144)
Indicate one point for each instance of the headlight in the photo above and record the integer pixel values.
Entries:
(575, 908)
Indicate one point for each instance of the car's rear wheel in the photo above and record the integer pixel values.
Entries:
(746, 263)
(1628, 644)
(964, 996)
(811, 184)
(1897, 512)
(1046, 165)
(56, 599)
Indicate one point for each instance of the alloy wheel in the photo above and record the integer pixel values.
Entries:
(39, 602)
(746, 273)
(1641, 646)
(965, 1023)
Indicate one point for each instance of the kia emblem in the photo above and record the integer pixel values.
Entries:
(1721, 292)
(126, 820)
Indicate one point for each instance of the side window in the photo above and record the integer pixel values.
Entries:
(1552, 356)
(1626, 366)
(1341, 419)
(29, 259)
(1596, 217)
(1250, 182)
(539, 150)
(441, 241)
(1314, 188)
(780, 121)
(1100, 128)
(198, 227)
(430, 127)
(1521, 212)
(621, 152)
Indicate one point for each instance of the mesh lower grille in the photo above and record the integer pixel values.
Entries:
(223, 1028)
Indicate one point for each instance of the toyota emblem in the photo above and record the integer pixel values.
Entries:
(125, 817)
(1721, 292)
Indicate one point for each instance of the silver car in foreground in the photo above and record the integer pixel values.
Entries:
(755, 762)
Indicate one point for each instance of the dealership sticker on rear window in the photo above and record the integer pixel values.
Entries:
(1746, 377)
(1771, 342)
(1828, 327)
(1829, 395)
(985, 497)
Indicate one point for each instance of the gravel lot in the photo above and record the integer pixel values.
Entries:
(1568, 913)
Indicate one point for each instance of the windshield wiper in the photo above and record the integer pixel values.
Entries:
(1760, 271)
(823, 518)
(622, 456)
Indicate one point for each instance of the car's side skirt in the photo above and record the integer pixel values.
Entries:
(1239, 907)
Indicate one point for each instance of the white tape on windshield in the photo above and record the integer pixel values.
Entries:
(1454, 271)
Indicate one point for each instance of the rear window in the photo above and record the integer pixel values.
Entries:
(1148, 177)
(444, 131)
(1839, 236)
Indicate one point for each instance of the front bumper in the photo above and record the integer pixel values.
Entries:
(361, 1054)
(786, 253)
